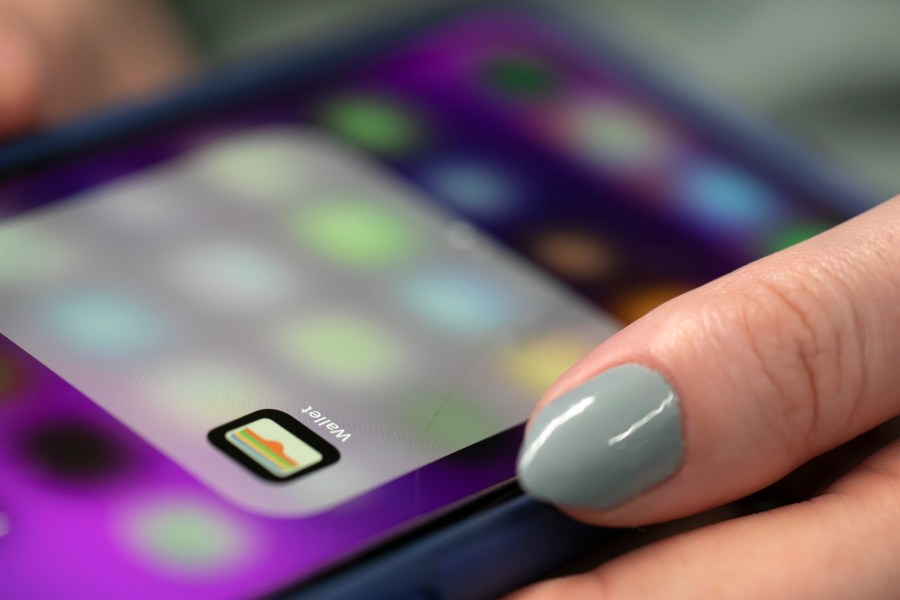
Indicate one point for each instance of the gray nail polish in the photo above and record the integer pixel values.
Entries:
(605, 441)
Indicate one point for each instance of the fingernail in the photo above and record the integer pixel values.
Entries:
(605, 441)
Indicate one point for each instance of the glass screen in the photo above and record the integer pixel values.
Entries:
(240, 350)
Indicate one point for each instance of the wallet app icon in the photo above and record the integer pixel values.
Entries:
(274, 445)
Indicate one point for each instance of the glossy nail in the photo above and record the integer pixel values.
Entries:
(605, 441)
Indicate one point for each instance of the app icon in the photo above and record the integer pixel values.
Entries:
(521, 77)
(27, 256)
(259, 165)
(357, 232)
(231, 275)
(611, 134)
(273, 445)
(538, 362)
(478, 187)
(103, 324)
(727, 199)
(376, 123)
(343, 348)
(576, 254)
(462, 301)
(181, 535)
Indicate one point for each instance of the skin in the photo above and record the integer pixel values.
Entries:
(775, 363)
(62, 59)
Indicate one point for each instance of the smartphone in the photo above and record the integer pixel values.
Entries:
(301, 310)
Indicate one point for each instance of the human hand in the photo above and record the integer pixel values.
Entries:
(58, 59)
(725, 390)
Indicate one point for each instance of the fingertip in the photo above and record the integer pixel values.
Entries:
(601, 443)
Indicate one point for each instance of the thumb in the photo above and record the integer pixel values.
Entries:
(729, 387)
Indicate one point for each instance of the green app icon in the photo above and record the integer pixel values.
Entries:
(356, 232)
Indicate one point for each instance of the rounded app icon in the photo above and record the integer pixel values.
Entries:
(230, 275)
(374, 122)
(275, 446)
(520, 76)
(477, 187)
(613, 134)
(342, 348)
(726, 198)
(574, 253)
(538, 362)
(356, 232)
(460, 301)
(103, 324)
(186, 537)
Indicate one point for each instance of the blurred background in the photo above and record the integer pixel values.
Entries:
(826, 72)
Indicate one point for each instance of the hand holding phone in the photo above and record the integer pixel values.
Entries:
(249, 336)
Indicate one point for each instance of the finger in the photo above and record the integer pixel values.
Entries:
(839, 545)
(130, 50)
(19, 79)
(729, 387)
(61, 60)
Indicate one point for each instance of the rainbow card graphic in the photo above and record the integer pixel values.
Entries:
(273, 447)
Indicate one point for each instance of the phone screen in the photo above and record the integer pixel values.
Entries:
(239, 350)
